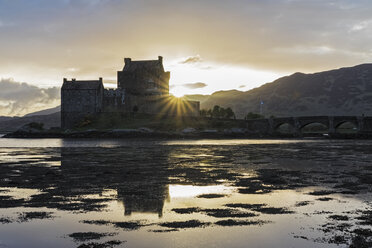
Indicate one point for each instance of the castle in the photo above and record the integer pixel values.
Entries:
(142, 87)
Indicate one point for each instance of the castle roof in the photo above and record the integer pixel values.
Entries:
(140, 65)
(82, 84)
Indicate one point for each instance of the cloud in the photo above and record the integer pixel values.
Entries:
(18, 98)
(192, 60)
(274, 35)
(361, 26)
(5, 24)
(197, 85)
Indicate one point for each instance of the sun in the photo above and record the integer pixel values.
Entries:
(177, 91)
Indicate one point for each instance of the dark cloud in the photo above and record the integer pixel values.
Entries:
(18, 98)
(192, 60)
(197, 85)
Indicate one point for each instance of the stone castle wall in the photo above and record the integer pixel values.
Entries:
(78, 101)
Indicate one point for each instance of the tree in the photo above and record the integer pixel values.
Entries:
(216, 111)
(252, 115)
(222, 113)
(203, 113)
(209, 113)
(36, 125)
(229, 113)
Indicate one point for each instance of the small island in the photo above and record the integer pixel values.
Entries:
(140, 106)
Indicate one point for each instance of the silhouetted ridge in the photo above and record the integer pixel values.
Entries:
(344, 91)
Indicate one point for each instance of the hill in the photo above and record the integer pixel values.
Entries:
(345, 91)
(45, 111)
(14, 123)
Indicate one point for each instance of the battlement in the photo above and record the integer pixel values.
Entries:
(127, 61)
(74, 84)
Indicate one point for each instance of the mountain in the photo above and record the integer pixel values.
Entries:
(45, 111)
(6, 118)
(345, 91)
(50, 117)
(14, 123)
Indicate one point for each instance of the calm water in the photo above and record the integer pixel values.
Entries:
(193, 193)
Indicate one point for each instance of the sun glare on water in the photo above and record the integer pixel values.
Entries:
(180, 191)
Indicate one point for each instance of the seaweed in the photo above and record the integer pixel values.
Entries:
(211, 196)
(85, 236)
(108, 244)
(231, 222)
(184, 224)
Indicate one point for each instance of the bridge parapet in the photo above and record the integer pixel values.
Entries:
(270, 126)
(366, 124)
(261, 126)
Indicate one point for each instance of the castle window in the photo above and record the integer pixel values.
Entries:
(151, 84)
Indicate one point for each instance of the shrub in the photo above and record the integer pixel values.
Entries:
(252, 115)
(218, 112)
(36, 125)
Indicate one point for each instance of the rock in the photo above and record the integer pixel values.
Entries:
(210, 131)
(91, 130)
(124, 131)
(145, 130)
(227, 131)
(238, 130)
(235, 130)
(188, 130)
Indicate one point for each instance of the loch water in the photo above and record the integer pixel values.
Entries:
(185, 193)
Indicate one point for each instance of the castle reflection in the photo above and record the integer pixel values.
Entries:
(144, 174)
(146, 199)
(141, 181)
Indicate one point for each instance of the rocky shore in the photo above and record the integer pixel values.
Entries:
(143, 132)
(131, 133)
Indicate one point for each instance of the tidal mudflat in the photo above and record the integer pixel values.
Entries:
(196, 193)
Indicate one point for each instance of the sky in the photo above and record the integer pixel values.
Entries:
(208, 45)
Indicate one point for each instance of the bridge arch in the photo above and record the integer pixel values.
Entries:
(346, 126)
(315, 127)
(308, 124)
(285, 128)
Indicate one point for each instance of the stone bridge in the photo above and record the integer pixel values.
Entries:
(362, 124)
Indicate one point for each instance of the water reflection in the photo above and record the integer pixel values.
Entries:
(244, 191)
(141, 184)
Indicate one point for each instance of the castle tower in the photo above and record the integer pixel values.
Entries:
(144, 77)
